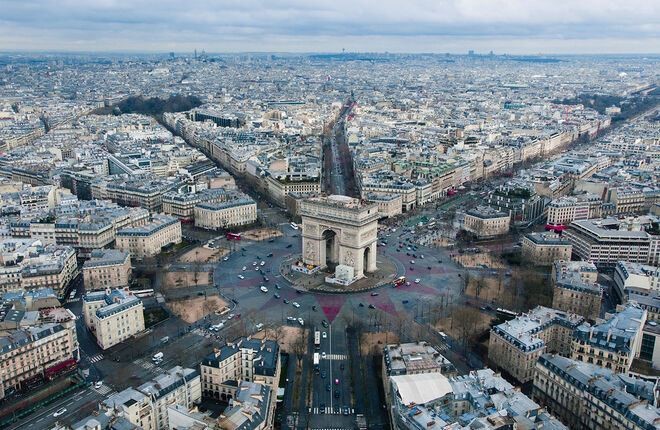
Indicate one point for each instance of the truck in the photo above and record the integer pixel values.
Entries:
(317, 357)
(157, 357)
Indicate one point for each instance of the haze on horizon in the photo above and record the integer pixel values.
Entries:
(513, 27)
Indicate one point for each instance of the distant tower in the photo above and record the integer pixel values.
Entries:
(471, 52)
(343, 50)
(195, 54)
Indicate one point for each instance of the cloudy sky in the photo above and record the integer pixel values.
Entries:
(504, 26)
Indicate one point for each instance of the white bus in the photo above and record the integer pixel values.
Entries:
(317, 357)
(294, 226)
(317, 339)
(147, 292)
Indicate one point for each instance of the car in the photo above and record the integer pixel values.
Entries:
(277, 296)
(417, 281)
(405, 302)
(336, 394)
(266, 278)
(328, 387)
(336, 409)
(270, 255)
(407, 283)
(412, 261)
(321, 408)
(412, 268)
(341, 366)
(60, 411)
(324, 323)
(256, 269)
(372, 307)
(241, 277)
(263, 289)
(291, 319)
(324, 335)
(286, 302)
(314, 307)
(346, 411)
(323, 354)
(230, 316)
(336, 381)
(295, 304)
(278, 286)
(374, 294)
(225, 259)
(421, 256)
(361, 305)
(254, 263)
(98, 384)
(262, 263)
(323, 374)
(289, 246)
(244, 268)
(301, 321)
(428, 267)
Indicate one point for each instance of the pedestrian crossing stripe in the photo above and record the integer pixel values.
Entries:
(96, 358)
(336, 357)
(103, 390)
(330, 411)
(77, 299)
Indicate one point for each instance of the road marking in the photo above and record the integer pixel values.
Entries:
(336, 357)
(96, 358)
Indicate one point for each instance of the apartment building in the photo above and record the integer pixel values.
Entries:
(389, 205)
(33, 349)
(107, 268)
(377, 186)
(607, 241)
(587, 397)
(485, 222)
(516, 345)
(177, 386)
(575, 289)
(278, 189)
(182, 205)
(113, 315)
(233, 213)
(564, 210)
(134, 406)
(27, 264)
(148, 240)
(481, 399)
(544, 249)
(612, 344)
(635, 278)
(414, 357)
(245, 359)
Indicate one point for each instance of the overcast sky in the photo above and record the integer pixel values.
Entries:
(504, 26)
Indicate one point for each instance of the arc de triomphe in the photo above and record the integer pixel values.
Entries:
(340, 230)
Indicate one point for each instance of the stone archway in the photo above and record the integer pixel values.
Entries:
(339, 230)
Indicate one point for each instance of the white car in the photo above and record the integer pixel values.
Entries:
(263, 289)
(262, 263)
(244, 268)
(60, 411)
(230, 316)
(256, 269)
(412, 261)
(417, 281)
(225, 259)
(254, 263)
(325, 335)
(241, 277)
(421, 256)
(295, 304)
(323, 355)
(98, 384)
(291, 319)
(301, 321)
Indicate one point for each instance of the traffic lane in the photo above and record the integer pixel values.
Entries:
(79, 404)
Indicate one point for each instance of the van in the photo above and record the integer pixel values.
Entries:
(157, 356)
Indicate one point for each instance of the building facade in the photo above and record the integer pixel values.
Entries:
(107, 268)
(113, 315)
(148, 240)
(544, 249)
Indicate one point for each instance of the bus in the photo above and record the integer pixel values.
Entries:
(233, 236)
(294, 226)
(316, 361)
(147, 292)
(505, 314)
(399, 281)
(317, 339)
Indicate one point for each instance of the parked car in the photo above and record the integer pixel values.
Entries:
(60, 411)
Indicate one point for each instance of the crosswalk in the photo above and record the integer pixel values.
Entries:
(145, 364)
(96, 358)
(77, 299)
(336, 357)
(329, 411)
(103, 390)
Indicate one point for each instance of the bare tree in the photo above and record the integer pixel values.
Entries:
(466, 320)
(300, 346)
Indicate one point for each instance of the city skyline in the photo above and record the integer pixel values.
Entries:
(542, 27)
